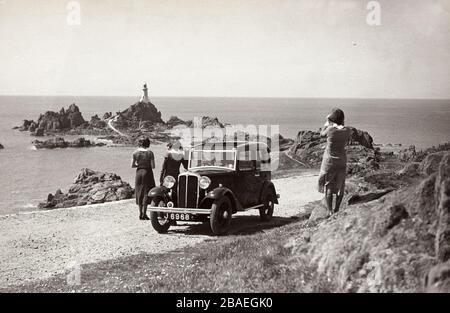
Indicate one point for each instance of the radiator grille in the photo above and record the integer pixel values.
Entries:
(187, 191)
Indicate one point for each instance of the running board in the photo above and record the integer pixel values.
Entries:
(253, 207)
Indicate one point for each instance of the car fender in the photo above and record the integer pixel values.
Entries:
(271, 186)
(218, 193)
(159, 191)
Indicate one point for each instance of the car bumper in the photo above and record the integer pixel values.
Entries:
(178, 210)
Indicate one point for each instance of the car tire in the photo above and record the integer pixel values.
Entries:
(221, 214)
(266, 211)
(159, 224)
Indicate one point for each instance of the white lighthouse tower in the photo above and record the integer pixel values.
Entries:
(144, 97)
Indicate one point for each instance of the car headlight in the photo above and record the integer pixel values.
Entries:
(169, 181)
(204, 182)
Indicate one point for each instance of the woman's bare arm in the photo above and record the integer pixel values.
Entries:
(324, 131)
(152, 161)
(133, 164)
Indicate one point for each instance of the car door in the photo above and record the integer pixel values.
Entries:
(247, 181)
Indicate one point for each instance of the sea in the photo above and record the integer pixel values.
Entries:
(27, 175)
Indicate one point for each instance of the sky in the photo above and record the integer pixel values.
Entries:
(226, 48)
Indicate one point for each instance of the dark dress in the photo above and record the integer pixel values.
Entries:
(144, 175)
(333, 170)
(171, 165)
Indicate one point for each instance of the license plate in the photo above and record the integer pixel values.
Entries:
(181, 216)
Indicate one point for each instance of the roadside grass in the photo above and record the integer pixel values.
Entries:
(263, 262)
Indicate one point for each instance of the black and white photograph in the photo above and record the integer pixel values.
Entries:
(222, 152)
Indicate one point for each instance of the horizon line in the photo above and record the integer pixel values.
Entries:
(230, 97)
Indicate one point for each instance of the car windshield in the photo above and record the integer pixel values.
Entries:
(215, 158)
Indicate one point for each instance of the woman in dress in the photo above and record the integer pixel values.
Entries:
(172, 160)
(334, 162)
(144, 162)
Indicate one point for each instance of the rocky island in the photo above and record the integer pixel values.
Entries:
(90, 187)
(124, 127)
(60, 142)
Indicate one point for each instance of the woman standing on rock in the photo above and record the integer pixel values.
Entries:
(144, 161)
(334, 163)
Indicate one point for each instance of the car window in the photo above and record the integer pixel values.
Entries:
(222, 158)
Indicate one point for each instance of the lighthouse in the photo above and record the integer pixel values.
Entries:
(144, 97)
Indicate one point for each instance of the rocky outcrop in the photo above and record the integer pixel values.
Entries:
(90, 187)
(96, 122)
(138, 113)
(51, 121)
(394, 242)
(412, 155)
(28, 125)
(175, 121)
(309, 146)
(62, 120)
(360, 137)
(59, 142)
(205, 121)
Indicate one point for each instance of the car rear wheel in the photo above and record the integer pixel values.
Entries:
(160, 221)
(221, 214)
(266, 211)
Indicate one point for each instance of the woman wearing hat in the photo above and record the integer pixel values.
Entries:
(334, 162)
(144, 162)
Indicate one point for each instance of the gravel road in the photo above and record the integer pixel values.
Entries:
(40, 244)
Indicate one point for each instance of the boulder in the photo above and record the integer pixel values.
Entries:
(410, 169)
(1, 146)
(90, 187)
(360, 137)
(431, 162)
(107, 115)
(438, 278)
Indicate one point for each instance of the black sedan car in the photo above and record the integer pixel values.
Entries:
(222, 178)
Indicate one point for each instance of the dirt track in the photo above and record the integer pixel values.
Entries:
(40, 244)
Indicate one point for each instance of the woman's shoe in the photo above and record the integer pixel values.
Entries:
(145, 217)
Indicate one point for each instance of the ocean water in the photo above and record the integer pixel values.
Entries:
(27, 175)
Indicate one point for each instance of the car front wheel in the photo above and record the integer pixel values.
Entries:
(160, 221)
(221, 214)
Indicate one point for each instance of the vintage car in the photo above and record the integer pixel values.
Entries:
(222, 178)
